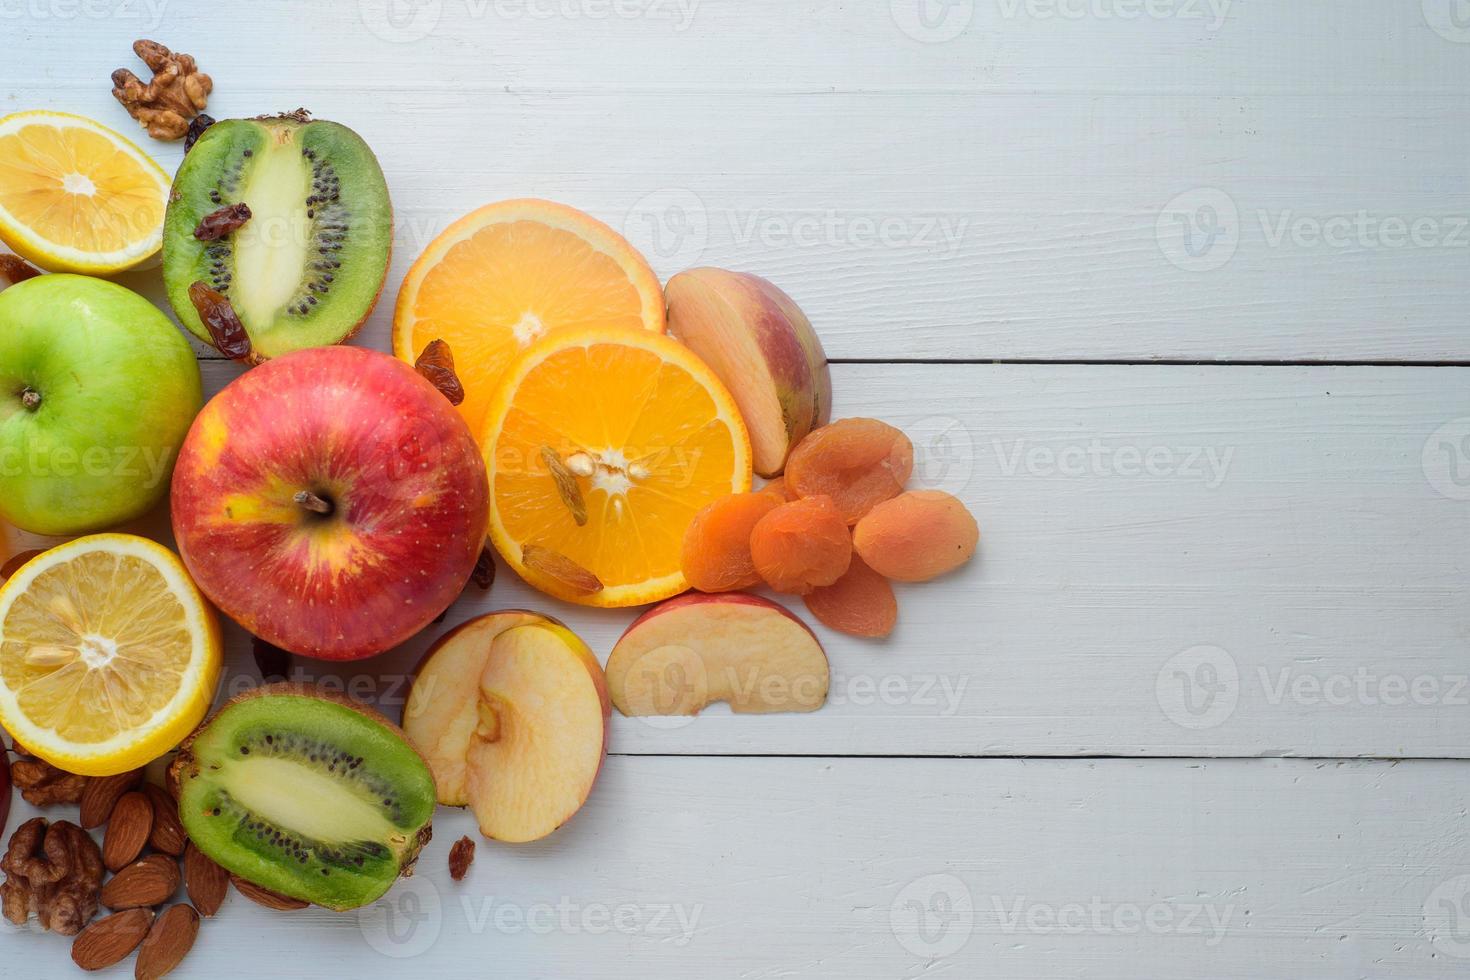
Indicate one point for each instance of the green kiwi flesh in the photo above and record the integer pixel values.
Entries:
(307, 268)
(306, 794)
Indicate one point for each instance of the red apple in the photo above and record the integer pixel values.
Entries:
(4, 788)
(331, 501)
(689, 652)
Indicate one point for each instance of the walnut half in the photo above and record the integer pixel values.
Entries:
(54, 871)
(178, 92)
(42, 784)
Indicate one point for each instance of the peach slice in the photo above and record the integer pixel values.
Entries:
(697, 649)
(511, 710)
(762, 346)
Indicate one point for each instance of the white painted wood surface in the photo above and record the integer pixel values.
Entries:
(1180, 563)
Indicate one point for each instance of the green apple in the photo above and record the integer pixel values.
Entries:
(97, 391)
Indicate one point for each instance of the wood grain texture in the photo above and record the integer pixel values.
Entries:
(882, 869)
(1018, 191)
(1288, 524)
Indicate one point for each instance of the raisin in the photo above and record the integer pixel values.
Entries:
(716, 555)
(14, 563)
(484, 573)
(917, 536)
(197, 127)
(222, 221)
(226, 331)
(436, 364)
(801, 545)
(566, 485)
(16, 269)
(558, 567)
(461, 856)
(856, 462)
(861, 602)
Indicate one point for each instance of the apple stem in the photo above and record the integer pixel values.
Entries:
(310, 501)
(31, 399)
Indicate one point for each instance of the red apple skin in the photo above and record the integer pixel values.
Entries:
(782, 333)
(700, 598)
(404, 478)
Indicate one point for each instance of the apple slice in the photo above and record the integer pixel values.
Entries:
(511, 711)
(734, 647)
(442, 711)
(762, 346)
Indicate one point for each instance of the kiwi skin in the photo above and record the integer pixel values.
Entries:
(185, 762)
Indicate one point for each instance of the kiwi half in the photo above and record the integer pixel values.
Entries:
(306, 793)
(307, 267)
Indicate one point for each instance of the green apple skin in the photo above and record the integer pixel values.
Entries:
(97, 391)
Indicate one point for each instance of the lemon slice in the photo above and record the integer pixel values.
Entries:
(76, 196)
(109, 655)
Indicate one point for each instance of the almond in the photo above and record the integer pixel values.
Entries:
(266, 897)
(127, 831)
(151, 881)
(101, 795)
(207, 882)
(109, 940)
(168, 832)
(168, 942)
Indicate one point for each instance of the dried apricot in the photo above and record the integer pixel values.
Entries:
(716, 556)
(856, 462)
(916, 536)
(777, 489)
(801, 545)
(861, 602)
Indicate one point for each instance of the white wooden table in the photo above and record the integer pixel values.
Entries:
(1171, 292)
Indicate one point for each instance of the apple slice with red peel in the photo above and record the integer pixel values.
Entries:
(762, 346)
(511, 711)
(734, 647)
(442, 710)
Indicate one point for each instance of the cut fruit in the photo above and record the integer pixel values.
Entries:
(108, 654)
(650, 436)
(306, 793)
(763, 347)
(307, 267)
(76, 196)
(507, 275)
(511, 710)
(697, 649)
(442, 711)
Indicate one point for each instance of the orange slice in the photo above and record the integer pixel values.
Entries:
(626, 430)
(76, 196)
(507, 275)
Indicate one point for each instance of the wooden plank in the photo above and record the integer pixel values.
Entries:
(1022, 191)
(866, 868)
(1291, 532)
